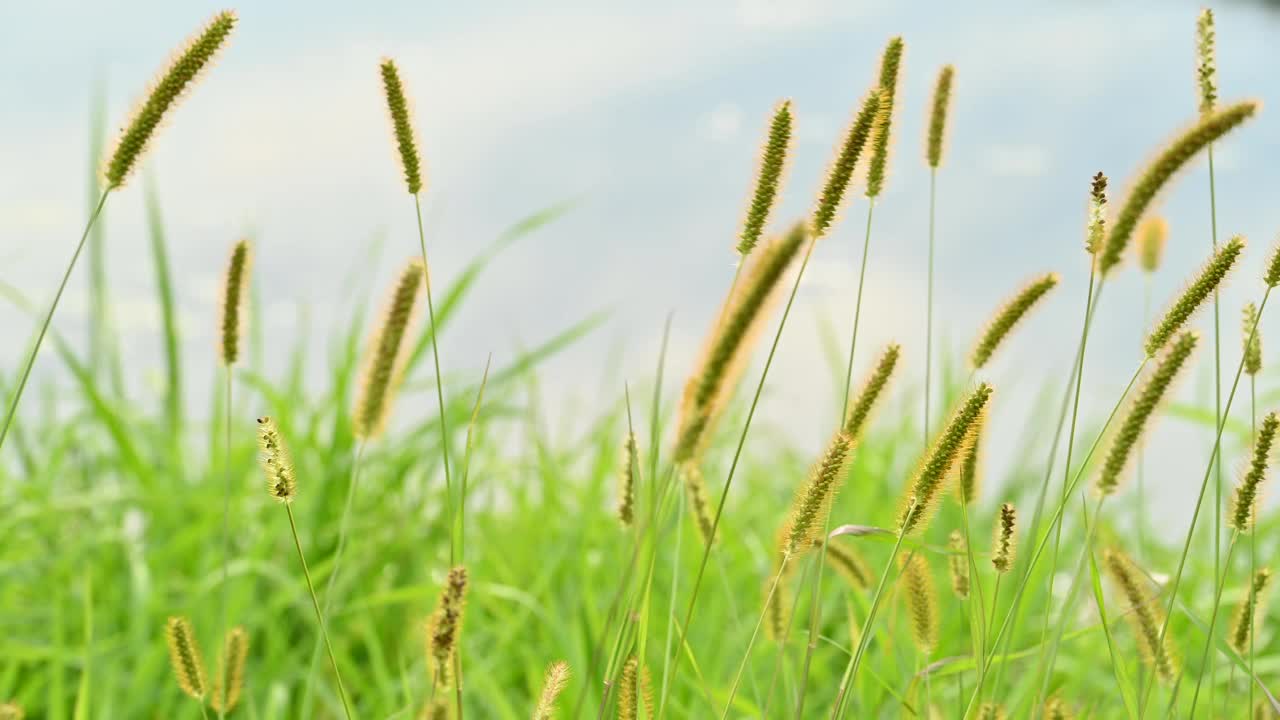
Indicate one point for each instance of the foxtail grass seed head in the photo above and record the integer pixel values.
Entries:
(1155, 176)
(1055, 708)
(277, 464)
(627, 480)
(1146, 616)
(890, 63)
(969, 486)
(1153, 232)
(1096, 232)
(812, 500)
(938, 115)
(773, 163)
(1004, 546)
(402, 126)
(1251, 336)
(629, 691)
(991, 711)
(1244, 506)
(1008, 315)
(446, 622)
(437, 709)
(184, 656)
(860, 410)
(730, 341)
(1206, 65)
(1154, 389)
(552, 685)
(777, 609)
(699, 501)
(843, 165)
(1195, 295)
(229, 682)
(384, 358)
(931, 473)
(1247, 615)
(848, 563)
(167, 90)
(1272, 275)
(922, 602)
(11, 711)
(959, 563)
(235, 290)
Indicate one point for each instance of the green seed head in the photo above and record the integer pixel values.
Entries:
(1206, 66)
(229, 682)
(627, 480)
(402, 126)
(1196, 294)
(861, 407)
(1252, 338)
(773, 163)
(969, 486)
(699, 500)
(173, 83)
(813, 499)
(384, 359)
(277, 465)
(1146, 616)
(1247, 616)
(927, 482)
(184, 656)
(1008, 315)
(843, 165)
(938, 115)
(1244, 508)
(1004, 546)
(848, 563)
(959, 563)
(890, 62)
(1272, 275)
(922, 602)
(234, 293)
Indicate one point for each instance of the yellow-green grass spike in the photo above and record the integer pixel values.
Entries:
(922, 602)
(235, 293)
(11, 711)
(627, 480)
(1144, 614)
(938, 115)
(1055, 708)
(1096, 229)
(958, 562)
(991, 711)
(185, 657)
(1145, 403)
(277, 463)
(172, 84)
(1271, 276)
(773, 164)
(920, 501)
(1251, 337)
(1004, 545)
(878, 165)
(445, 626)
(1247, 613)
(437, 709)
(1195, 295)
(814, 497)
(628, 690)
(777, 610)
(1153, 234)
(1206, 63)
(699, 501)
(384, 359)
(402, 126)
(839, 175)
(1008, 315)
(229, 682)
(1244, 506)
(555, 681)
(969, 484)
(848, 563)
(1160, 171)
(859, 412)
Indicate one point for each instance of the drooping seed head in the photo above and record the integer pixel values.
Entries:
(1156, 176)
(277, 464)
(184, 656)
(627, 480)
(1004, 546)
(1195, 295)
(1008, 315)
(934, 467)
(698, 500)
(813, 499)
(167, 90)
(1154, 389)
(958, 561)
(843, 165)
(1252, 338)
(730, 341)
(1096, 232)
(229, 682)
(922, 602)
(1244, 506)
(938, 115)
(860, 409)
(384, 358)
(777, 608)
(402, 126)
(890, 62)
(969, 485)
(1272, 275)
(848, 563)
(773, 163)
(235, 291)
(1244, 627)
(1152, 232)
(1206, 65)
(446, 622)
(1146, 616)
(552, 685)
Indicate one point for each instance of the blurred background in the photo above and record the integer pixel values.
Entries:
(644, 118)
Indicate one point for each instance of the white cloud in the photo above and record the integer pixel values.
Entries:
(1016, 160)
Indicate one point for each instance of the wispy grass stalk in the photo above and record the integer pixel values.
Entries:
(937, 133)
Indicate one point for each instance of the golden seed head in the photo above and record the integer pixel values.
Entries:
(1244, 507)
(922, 602)
(277, 464)
(1096, 232)
(1055, 708)
(384, 358)
(627, 480)
(938, 115)
(229, 682)
(843, 164)
(629, 690)
(935, 466)
(1206, 66)
(699, 502)
(1196, 294)
(890, 62)
(402, 126)
(859, 412)
(991, 711)
(1247, 614)
(1252, 339)
(969, 486)
(235, 292)
(1146, 616)
(773, 163)
(181, 74)
(184, 656)
(552, 685)
(1005, 545)
(1272, 275)
(958, 561)
(1153, 233)
(446, 622)
(813, 500)
(848, 563)
(1008, 315)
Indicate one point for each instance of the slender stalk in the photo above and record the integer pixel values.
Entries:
(48, 318)
(1142, 445)
(315, 602)
(1195, 515)
(435, 357)
(226, 516)
(995, 601)
(746, 656)
(857, 306)
(978, 630)
(203, 713)
(1253, 542)
(737, 456)
(1213, 621)
(928, 317)
(1066, 472)
(1217, 396)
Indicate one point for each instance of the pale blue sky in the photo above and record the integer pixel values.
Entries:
(649, 114)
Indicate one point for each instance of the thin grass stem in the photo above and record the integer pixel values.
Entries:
(315, 603)
(226, 517)
(1213, 621)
